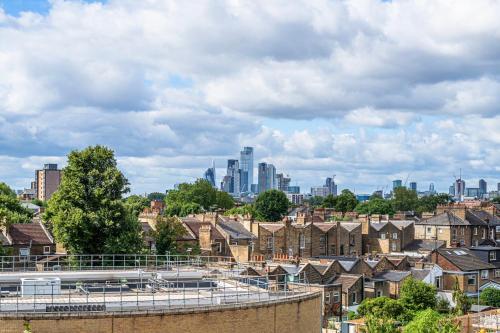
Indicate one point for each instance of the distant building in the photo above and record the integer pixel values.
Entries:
(210, 175)
(413, 186)
(47, 181)
(451, 190)
(233, 171)
(271, 177)
(283, 182)
(431, 188)
(293, 189)
(262, 177)
(330, 184)
(295, 198)
(397, 183)
(320, 191)
(498, 187)
(246, 164)
(482, 188)
(459, 189)
(472, 192)
(363, 197)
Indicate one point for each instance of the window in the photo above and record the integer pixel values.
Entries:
(336, 297)
(462, 242)
(270, 242)
(429, 230)
(380, 293)
(476, 242)
(497, 228)
(497, 273)
(438, 282)
(327, 298)
(333, 250)
(462, 230)
(322, 242)
(353, 297)
(393, 246)
(342, 249)
(46, 250)
(475, 231)
(484, 274)
(440, 230)
(454, 233)
(493, 256)
(394, 235)
(302, 241)
(382, 235)
(471, 280)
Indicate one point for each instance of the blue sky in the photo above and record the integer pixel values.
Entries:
(369, 91)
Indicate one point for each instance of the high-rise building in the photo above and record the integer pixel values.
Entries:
(413, 186)
(294, 189)
(47, 181)
(397, 183)
(451, 190)
(271, 177)
(330, 184)
(498, 187)
(431, 188)
(262, 177)
(246, 164)
(210, 175)
(320, 191)
(472, 192)
(482, 187)
(233, 171)
(459, 189)
(283, 182)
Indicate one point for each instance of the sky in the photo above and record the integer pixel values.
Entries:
(369, 91)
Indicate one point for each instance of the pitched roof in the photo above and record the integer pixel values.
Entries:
(273, 227)
(393, 276)
(424, 245)
(29, 233)
(420, 274)
(378, 225)
(464, 259)
(194, 226)
(347, 264)
(445, 219)
(402, 224)
(347, 280)
(325, 227)
(235, 230)
(349, 226)
(485, 217)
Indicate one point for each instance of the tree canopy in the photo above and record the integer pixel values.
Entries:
(346, 202)
(375, 205)
(382, 307)
(491, 297)
(196, 197)
(168, 229)
(87, 211)
(404, 199)
(430, 202)
(11, 210)
(416, 295)
(136, 204)
(241, 210)
(430, 321)
(271, 205)
(329, 201)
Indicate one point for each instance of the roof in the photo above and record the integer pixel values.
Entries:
(29, 205)
(347, 264)
(444, 219)
(347, 280)
(349, 226)
(424, 245)
(194, 226)
(420, 274)
(474, 218)
(378, 225)
(325, 227)
(273, 227)
(464, 259)
(392, 276)
(402, 224)
(483, 216)
(485, 248)
(235, 230)
(29, 233)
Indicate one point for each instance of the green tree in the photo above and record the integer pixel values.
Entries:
(87, 211)
(241, 210)
(168, 230)
(382, 307)
(404, 199)
(11, 210)
(496, 200)
(136, 204)
(376, 324)
(346, 202)
(223, 200)
(462, 302)
(156, 196)
(442, 305)
(490, 297)
(376, 205)
(430, 202)
(315, 201)
(271, 205)
(39, 203)
(416, 295)
(430, 321)
(329, 202)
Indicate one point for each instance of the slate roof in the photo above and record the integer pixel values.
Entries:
(402, 224)
(378, 225)
(347, 264)
(349, 226)
(273, 227)
(392, 276)
(420, 274)
(464, 259)
(424, 245)
(325, 227)
(347, 280)
(194, 226)
(485, 217)
(26, 233)
(444, 219)
(235, 230)
(474, 218)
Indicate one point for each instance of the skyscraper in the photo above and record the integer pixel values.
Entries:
(210, 174)
(283, 182)
(459, 189)
(47, 181)
(482, 187)
(330, 184)
(271, 177)
(413, 186)
(233, 171)
(397, 183)
(262, 177)
(246, 164)
(431, 188)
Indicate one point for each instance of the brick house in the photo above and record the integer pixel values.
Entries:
(352, 288)
(27, 238)
(388, 236)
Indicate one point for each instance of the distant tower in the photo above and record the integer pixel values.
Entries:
(413, 186)
(47, 181)
(397, 183)
(210, 174)
(431, 188)
(246, 164)
(482, 188)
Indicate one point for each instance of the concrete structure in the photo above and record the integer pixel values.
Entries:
(47, 181)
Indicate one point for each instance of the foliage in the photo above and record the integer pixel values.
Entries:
(346, 202)
(156, 196)
(11, 210)
(376, 205)
(404, 199)
(376, 324)
(430, 202)
(241, 210)
(168, 230)
(496, 200)
(352, 315)
(39, 203)
(491, 297)
(416, 295)
(136, 204)
(87, 211)
(462, 302)
(196, 197)
(315, 201)
(442, 305)
(271, 205)
(430, 321)
(329, 201)
(382, 307)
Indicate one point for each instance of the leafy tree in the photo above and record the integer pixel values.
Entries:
(315, 201)
(496, 200)
(241, 210)
(442, 305)
(168, 230)
(198, 196)
(404, 199)
(329, 202)
(87, 211)
(382, 307)
(376, 205)
(136, 204)
(462, 302)
(156, 196)
(346, 202)
(430, 321)
(491, 297)
(430, 202)
(39, 203)
(376, 324)
(271, 205)
(11, 210)
(416, 295)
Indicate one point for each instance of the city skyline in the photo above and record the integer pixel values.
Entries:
(368, 91)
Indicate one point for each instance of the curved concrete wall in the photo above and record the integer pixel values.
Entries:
(301, 314)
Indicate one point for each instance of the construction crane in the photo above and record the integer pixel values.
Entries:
(406, 180)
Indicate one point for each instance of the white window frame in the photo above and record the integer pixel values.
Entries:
(484, 233)
(302, 241)
(493, 255)
(379, 293)
(327, 298)
(497, 273)
(394, 246)
(382, 235)
(475, 231)
(438, 282)
(335, 296)
(46, 250)
(354, 297)
(484, 274)
(270, 241)
(394, 235)
(471, 278)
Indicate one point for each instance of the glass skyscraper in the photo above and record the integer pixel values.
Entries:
(246, 165)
